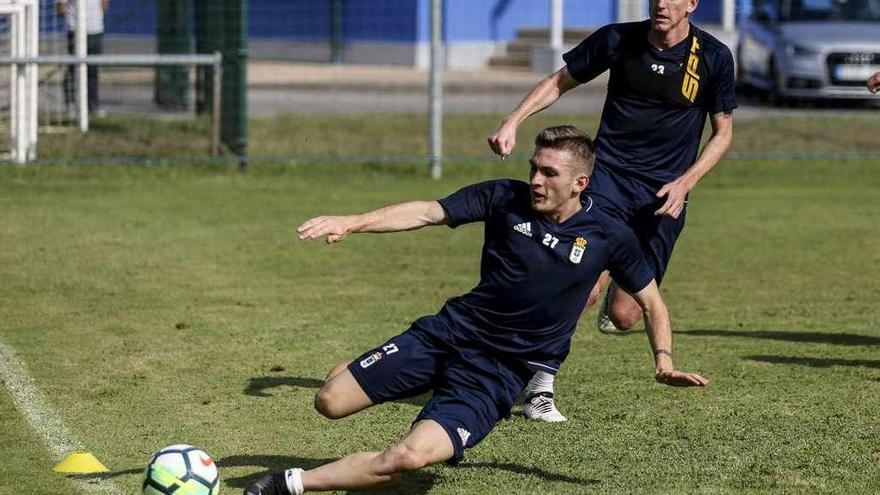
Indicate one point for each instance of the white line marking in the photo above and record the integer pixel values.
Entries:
(39, 413)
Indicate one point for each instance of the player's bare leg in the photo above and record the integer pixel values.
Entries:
(623, 310)
(426, 443)
(341, 395)
(336, 370)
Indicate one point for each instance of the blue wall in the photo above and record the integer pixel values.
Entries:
(498, 20)
(131, 17)
(310, 21)
(396, 20)
(708, 12)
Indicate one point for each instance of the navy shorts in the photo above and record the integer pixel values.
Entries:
(635, 202)
(472, 390)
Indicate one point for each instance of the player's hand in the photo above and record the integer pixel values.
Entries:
(503, 140)
(676, 194)
(676, 378)
(334, 228)
(874, 83)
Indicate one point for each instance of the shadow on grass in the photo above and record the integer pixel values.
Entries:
(417, 482)
(258, 387)
(811, 337)
(531, 471)
(104, 476)
(412, 483)
(816, 362)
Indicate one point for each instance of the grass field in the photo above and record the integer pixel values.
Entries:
(160, 305)
(331, 139)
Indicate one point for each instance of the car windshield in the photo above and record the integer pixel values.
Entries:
(830, 10)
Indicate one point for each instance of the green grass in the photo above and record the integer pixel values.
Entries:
(380, 137)
(152, 304)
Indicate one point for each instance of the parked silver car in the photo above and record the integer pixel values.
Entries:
(810, 48)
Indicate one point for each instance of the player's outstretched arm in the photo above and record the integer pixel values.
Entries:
(544, 94)
(874, 83)
(394, 218)
(659, 330)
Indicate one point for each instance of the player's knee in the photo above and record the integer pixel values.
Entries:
(339, 368)
(625, 317)
(404, 458)
(327, 403)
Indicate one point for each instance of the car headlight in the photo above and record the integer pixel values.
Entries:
(793, 50)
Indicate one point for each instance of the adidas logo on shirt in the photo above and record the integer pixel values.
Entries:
(524, 228)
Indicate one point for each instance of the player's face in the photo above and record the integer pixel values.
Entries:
(555, 186)
(669, 14)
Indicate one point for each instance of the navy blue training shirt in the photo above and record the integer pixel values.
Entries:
(535, 274)
(650, 126)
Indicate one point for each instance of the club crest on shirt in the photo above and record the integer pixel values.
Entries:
(366, 363)
(577, 250)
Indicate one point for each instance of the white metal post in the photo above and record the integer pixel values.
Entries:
(82, 85)
(17, 90)
(15, 103)
(20, 129)
(728, 15)
(556, 32)
(13, 79)
(435, 96)
(33, 41)
(631, 10)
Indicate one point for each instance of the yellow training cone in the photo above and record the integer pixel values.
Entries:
(80, 462)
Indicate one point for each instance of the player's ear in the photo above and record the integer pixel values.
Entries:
(581, 181)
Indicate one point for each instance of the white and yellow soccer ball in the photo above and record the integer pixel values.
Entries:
(181, 470)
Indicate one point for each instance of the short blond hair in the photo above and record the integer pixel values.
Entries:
(573, 140)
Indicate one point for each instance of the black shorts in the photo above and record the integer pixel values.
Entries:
(472, 390)
(635, 202)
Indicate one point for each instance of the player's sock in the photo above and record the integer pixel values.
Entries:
(293, 477)
(541, 382)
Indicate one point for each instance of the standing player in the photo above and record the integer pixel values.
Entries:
(94, 10)
(666, 76)
(545, 246)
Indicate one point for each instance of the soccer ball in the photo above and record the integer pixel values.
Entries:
(181, 470)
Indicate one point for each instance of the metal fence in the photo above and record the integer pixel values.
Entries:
(350, 80)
